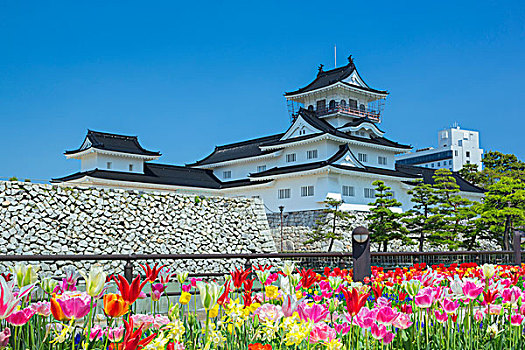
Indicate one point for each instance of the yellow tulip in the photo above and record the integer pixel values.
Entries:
(185, 298)
(214, 311)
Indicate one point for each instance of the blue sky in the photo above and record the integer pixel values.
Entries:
(186, 76)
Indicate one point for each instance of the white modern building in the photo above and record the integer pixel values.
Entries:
(456, 147)
(333, 148)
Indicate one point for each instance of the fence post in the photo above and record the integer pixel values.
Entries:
(361, 257)
(248, 266)
(517, 247)
(128, 270)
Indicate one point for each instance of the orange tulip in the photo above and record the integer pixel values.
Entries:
(115, 305)
(56, 310)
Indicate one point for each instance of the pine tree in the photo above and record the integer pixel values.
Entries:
(331, 224)
(471, 173)
(385, 224)
(451, 212)
(419, 219)
(504, 207)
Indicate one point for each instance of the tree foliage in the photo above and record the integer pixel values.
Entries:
(331, 224)
(384, 223)
(419, 220)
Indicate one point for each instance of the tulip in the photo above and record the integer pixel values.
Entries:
(25, 274)
(157, 290)
(165, 275)
(4, 338)
(115, 335)
(308, 277)
(321, 332)
(182, 276)
(488, 270)
(290, 304)
(335, 282)
(8, 299)
(516, 320)
(288, 268)
(262, 275)
(184, 298)
(490, 296)
(209, 293)
(449, 306)
(152, 273)
(424, 300)
(130, 293)
(441, 317)
(314, 313)
(471, 290)
(56, 310)
(378, 331)
(21, 317)
(511, 295)
(42, 308)
(96, 333)
(74, 306)
(386, 315)
(133, 339)
(354, 300)
(95, 281)
(160, 321)
(48, 285)
(239, 276)
(115, 305)
(142, 321)
(402, 321)
(412, 287)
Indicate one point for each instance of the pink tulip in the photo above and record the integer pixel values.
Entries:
(388, 337)
(471, 290)
(75, 306)
(425, 298)
(4, 338)
(314, 313)
(494, 309)
(449, 306)
(290, 304)
(511, 295)
(157, 290)
(96, 333)
(322, 333)
(142, 320)
(115, 335)
(142, 295)
(271, 278)
(364, 318)
(342, 328)
(160, 321)
(21, 317)
(378, 331)
(269, 312)
(186, 288)
(478, 315)
(441, 317)
(9, 299)
(42, 308)
(386, 315)
(402, 321)
(516, 320)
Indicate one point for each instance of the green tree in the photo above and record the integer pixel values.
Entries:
(331, 224)
(384, 223)
(471, 173)
(418, 220)
(504, 207)
(496, 165)
(451, 211)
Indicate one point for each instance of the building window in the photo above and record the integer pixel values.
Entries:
(456, 153)
(331, 104)
(370, 193)
(227, 174)
(362, 107)
(460, 143)
(284, 193)
(468, 161)
(348, 191)
(311, 154)
(432, 165)
(321, 105)
(381, 160)
(342, 103)
(290, 158)
(468, 153)
(310, 107)
(307, 191)
(131, 167)
(439, 163)
(450, 162)
(362, 157)
(261, 168)
(352, 103)
(108, 165)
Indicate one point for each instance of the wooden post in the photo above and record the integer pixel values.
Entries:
(128, 271)
(361, 254)
(516, 244)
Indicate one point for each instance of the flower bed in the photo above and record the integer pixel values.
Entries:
(456, 307)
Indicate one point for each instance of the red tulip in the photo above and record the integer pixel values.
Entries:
(489, 296)
(151, 273)
(225, 294)
(239, 276)
(132, 339)
(354, 300)
(377, 290)
(130, 293)
(308, 277)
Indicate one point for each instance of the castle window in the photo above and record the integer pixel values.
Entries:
(310, 107)
(456, 153)
(131, 167)
(290, 158)
(321, 105)
(363, 157)
(343, 103)
(381, 160)
(284, 193)
(307, 191)
(348, 191)
(362, 107)
(261, 168)
(108, 165)
(311, 154)
(227, 174)
(370, 193)
(468, 153)
(352, 103)
(460, 143)
(331, 104)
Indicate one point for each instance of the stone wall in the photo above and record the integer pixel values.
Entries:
(48, 219)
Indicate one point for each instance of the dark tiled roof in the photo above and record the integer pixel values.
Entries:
(239, 150)
(359, 121)
(343, 149)
(329, 77)
(115, 143)
(427, 175)
(325, 127)
(163, 174)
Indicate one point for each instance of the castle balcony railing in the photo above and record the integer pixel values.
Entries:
(373, 115)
